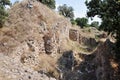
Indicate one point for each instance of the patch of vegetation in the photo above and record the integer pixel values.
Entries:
(3, 12)
(95, 24)
(73, 22)
(75, 46)
(49, 3)
(82, 22)
(66, 11)
(109, 12)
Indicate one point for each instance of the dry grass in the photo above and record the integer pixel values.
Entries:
(74, 46)
(47, 64)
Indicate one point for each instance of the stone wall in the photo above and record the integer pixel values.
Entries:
(73, 35)
(96, 66)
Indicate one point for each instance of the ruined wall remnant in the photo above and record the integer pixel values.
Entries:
(73, 34)
(48, 44)
(96, 66)
(87, 41)
(38, 44)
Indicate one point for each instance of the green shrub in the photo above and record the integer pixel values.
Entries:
(3, 13)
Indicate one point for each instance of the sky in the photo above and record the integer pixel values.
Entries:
(79, 7)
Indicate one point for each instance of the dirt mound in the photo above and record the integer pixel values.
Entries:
(27, 38)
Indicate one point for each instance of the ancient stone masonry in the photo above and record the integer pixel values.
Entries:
(95, 66)
(66, 61)
(73, 35)
(48, 44)
(87, 41)
(104, 71)
(38, 44)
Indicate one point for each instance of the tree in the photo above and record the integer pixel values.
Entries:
(109, 12)
(83, 22)
(49, 3)
(95, 24)
(73, 22)
(66, 11)
(3, 13)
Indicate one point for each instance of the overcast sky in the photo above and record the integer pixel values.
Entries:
(78, 6)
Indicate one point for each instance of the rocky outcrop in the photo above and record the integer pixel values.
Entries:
(96, 66)
(73, 35)
(104, 70)
(48, 44)
(29, 36)
(87, 41)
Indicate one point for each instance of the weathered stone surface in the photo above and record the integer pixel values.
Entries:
(87, 41)
(95, 66)
(48, 44)
(31, 34)
(66, 61)
(73, 34)
(103, 35)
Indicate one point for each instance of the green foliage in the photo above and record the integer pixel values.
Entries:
(66, 11)
(95, 24)
(83, 22)
(73, 22)
(89, 30)
(4, 2)
(49, 3)
(109, 12)
(3, 13)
